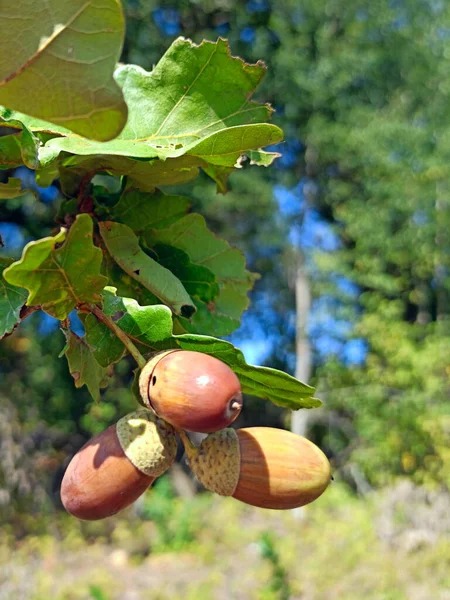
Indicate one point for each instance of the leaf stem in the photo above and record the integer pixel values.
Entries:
(190, 449)
(97, 312)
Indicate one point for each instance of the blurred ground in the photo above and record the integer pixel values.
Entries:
(389, 546)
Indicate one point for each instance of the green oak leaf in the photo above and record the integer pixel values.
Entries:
(194, 110)
(146, 175)
(102, 342)
(123, 246)
(140, 210)
(195, 101)
(83, 366)
(126, 285)
(11, 189)
(222, 314)
(21, 148)
(59, 278)
(12, 300)
(62, 54)
(198, 281)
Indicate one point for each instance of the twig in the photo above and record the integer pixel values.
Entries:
(97, 312)
(85, 202)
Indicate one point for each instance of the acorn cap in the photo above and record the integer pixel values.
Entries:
(216, 463)
(147, 441)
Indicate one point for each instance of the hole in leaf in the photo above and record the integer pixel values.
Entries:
(187, 311)
(137, 271)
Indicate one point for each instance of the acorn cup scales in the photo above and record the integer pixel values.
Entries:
(261, 466)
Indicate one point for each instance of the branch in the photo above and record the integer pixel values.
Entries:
(97, 312)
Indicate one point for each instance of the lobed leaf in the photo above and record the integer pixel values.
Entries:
(12, 299)
(59, 278)
(83, 365)
(62, 54)
(147, 326)
(194, 110)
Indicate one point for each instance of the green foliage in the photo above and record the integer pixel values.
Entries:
(11, 189)
(123, 245)
(83, 366)
(150, 329)
(71, 81)
(12, 299)
(171, 273)
(278, 588)
(59, 278)
(97, 593)
(339, 550)
(227, 265)
(178, 522)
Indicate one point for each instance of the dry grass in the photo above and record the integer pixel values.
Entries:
(211, 548)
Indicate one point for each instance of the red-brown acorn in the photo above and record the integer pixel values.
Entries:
(117, 465)
(191, 390)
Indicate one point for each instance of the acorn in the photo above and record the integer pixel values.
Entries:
(261, 466)
(191, 390)
(117, 465)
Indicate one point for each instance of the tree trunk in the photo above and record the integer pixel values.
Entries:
(299, 422)
(303, 347)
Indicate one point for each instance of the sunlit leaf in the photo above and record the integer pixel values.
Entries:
(62, 54)
(147, 326)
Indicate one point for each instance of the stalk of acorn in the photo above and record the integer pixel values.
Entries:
(191, 391)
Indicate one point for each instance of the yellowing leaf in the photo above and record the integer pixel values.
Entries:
(58, 278)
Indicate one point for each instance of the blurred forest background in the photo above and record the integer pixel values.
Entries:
(349, 231)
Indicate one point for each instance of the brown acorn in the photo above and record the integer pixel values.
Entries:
(261, 466)
(117, 465)
(191, 390)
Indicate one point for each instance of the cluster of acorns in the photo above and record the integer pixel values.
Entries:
(190, 391)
